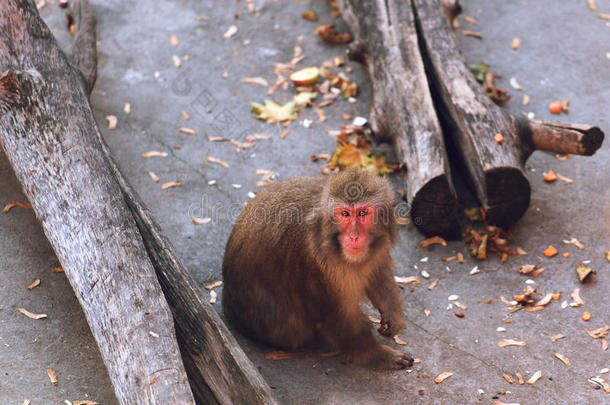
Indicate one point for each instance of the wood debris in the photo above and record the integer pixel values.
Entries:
(57, 270)
(213, 285)
(176, 60)
(604, 16)
(564, 178)
(232, 30)
(31, 315)
(558, 336)
(520, 379)
(563, 359)
(187, 131)
(600, 382)
(443, 376)
(14, 204)
(510, 342)
(435, 240)
(535, 377)
(407, 280)
(278, 355)
(173, 40)
(268, 177)
(575, 242)
(607, 254)
(171, 184)
(433, 285)
(550, 251)
(52, 376)
(154, 177)
(578, 302)
(468, 33)
(112, 122)
(154, 153)
(515, 44)
(34, 284)
(220, 162)
(201, 221)
(255, 80)
(592, 5)
(399, 341)
(507, 378)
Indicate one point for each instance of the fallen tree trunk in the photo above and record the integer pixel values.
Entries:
(55, 147)
(495, 170)
(386, 41)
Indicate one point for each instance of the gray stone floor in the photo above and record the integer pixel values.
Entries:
(565, 54)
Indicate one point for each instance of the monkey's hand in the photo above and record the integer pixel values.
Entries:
(391, 324)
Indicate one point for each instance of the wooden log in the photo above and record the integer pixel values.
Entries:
(386, 41)
(74, 170)
(494, 170)
(219, 371)
(45, 130)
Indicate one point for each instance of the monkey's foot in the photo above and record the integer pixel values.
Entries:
(383, 358)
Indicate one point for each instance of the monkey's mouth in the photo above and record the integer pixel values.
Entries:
(354, 252)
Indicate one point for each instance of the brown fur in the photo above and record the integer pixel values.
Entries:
(287, 282)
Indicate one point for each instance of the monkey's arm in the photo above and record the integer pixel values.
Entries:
(385, 296)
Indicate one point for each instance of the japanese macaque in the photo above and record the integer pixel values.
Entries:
(303, 256)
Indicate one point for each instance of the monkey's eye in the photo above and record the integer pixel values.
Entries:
(344, 213)
(362, 213)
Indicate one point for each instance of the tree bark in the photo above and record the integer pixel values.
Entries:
(85, 206)
(386, 41)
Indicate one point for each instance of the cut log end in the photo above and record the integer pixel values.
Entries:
(433, 209)
(508, 196)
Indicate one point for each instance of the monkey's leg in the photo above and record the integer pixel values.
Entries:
(385, 296)
(350, 332)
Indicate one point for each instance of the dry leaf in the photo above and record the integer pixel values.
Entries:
(556, 337)
(30, 314)
(154, 153)
(310, 15)
(427, 311)
(327, 33)
(13, 204)
(586, 316)
(535, 377)
(510, 342)
(374, 320)
(171, 184)
(255, 80)
(514, 84)
(213, 296)
(399, 341)
(177, 61)
(584, 272)
(201, 221)
(185, 115)
(575, 242)
(443, 376)
(57, 270)
(34, 284)
(271, 112)
(564, 178)
(592, 5)
(52, 376)
(187, 131)
(607, 254)
(601, 383)
(507, 378)
(435, 240)
(278, 355)
(604, 16)
(563, 358)
(433, 285)
(211, 159)
(232, 30)
(526, 99)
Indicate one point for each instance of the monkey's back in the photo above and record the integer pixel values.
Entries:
(269, 281)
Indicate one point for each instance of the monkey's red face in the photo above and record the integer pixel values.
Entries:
(354, 221)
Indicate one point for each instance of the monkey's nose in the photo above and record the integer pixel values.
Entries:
(353, 235)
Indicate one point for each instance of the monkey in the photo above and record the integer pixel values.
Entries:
(302, 257)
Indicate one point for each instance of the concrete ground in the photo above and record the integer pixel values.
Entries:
(565, 54)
